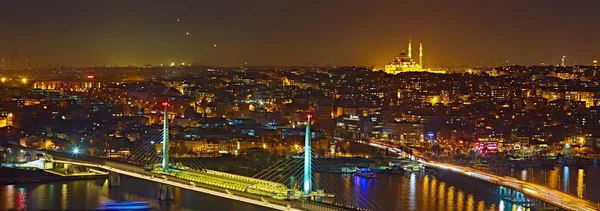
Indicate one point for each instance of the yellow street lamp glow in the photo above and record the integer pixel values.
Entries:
(3, 79)
(24, 80)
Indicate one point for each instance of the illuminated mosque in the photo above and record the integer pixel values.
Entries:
(404, 63)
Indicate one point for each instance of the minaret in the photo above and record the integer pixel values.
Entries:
(421, 53)
(409, 47)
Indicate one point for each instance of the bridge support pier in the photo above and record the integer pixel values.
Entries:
(165, 192)
(114, 179)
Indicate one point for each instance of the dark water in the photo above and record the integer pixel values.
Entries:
(415, 191)
(87, 194)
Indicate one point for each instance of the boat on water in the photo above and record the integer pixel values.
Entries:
(125, 205)
(406, 165)
(348, 170)
(567, 161)
(365, 172)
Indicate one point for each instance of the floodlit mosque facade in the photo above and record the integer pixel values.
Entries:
(404, 63)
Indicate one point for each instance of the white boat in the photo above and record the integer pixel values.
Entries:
(348, 170)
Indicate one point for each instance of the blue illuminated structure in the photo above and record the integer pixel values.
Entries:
(307, 156)
(165, 161)
(126, 205)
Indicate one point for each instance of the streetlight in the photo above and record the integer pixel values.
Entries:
(75, 150)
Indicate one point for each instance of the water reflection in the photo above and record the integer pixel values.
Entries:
(386, 192)
(414, 191)
(554, 180)
(470, 203)
(21, 199)
(64, 196)
(450, 204)
(580, 183)
(425, 195)
(87, 195)
(565, 179)
(460, 200)
(570, 179)
(8, 197)
(441, 196)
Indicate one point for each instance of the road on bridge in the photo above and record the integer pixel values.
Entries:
(553, 196)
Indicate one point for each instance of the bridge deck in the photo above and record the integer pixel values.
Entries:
(138, 172)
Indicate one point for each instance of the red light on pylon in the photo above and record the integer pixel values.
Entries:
(165, 103)
(309, 115)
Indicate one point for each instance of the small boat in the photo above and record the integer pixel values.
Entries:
(412, 167)
(125, 205)
(365, 172)
(347, 170)
(566, 161)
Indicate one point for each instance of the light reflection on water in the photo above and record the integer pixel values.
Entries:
(413, 191)
(87, 195)
(386, 192)
(572, 179)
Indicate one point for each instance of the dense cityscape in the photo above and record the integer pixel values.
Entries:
(515, 110)
(413, 133)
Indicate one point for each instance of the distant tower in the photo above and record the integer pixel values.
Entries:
(409, 47)
(14, 60)
(595, 63)
(26, 61)
(421, 53)
(307, 184)
(165, 150)
(562, 61)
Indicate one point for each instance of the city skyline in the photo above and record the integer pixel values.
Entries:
(236, 33)
(312, 105)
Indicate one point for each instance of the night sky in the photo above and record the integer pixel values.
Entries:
(279, 32)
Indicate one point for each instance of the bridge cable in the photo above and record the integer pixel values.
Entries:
(145, 153)
(274, 171)
(274, 168)
(269, 168)
(142, 148)
(336, 190)
(367, 199)
(291, 170)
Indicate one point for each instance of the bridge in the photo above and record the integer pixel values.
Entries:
(140, 173)
(261, 190)
(555, 197)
